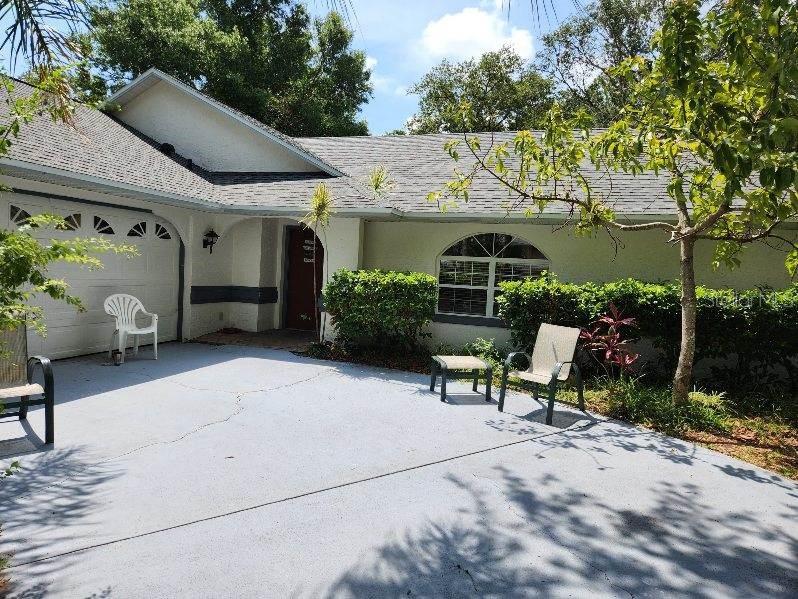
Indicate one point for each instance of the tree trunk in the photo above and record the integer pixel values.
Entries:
(683, 379)
(326, 270)
(315, 288)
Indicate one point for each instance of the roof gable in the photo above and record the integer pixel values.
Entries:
(213, 135)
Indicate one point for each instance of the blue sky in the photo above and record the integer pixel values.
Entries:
(404, 39)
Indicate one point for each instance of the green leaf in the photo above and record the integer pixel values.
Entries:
(791, 262)
(767, 176)
(789, 124)
(783, 178)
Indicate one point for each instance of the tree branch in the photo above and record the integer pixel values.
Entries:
(569, 200)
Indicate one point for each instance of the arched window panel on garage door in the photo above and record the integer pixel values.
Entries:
(138, 230)
(18, 216)
(470, 271)
(72, 222)
(162, 232)
(102, 226)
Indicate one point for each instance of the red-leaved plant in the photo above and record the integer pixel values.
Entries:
(607, 342)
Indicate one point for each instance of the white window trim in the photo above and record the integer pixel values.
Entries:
(491, 286)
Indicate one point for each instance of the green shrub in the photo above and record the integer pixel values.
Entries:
(757, 328)
(485, 349)
(653, 407)
(376, 307)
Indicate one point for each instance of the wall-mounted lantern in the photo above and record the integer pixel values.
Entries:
(209, 239)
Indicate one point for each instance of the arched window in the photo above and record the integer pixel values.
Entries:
(101, 226)
(138, 230)
(470, 271)
(17, 215)
(72, 222)
(162, 232)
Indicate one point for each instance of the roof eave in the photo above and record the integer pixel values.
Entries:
(142, 192)
(173, 199)
(516, 216)
(299, 213)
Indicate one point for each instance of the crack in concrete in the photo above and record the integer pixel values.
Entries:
(470, 577)
(238, 397)
(260, 390)
(237, 403)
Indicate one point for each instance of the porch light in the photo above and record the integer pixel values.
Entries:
(209, 239)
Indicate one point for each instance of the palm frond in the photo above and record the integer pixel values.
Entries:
(321, 207)
(40, 30)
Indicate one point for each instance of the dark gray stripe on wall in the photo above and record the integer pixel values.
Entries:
(476, 321)
(211, 294)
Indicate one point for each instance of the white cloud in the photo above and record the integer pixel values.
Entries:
(383, 84)
(471, 32)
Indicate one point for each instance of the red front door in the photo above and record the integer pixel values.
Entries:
(301, 301)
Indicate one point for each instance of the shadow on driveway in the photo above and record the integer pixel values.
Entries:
(680, 546)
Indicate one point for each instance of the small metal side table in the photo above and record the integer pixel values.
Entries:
(447, 365)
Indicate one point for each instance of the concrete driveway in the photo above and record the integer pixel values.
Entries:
(246, 472)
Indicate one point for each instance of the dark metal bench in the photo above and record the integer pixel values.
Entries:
(16, 381)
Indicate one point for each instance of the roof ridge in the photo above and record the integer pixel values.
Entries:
(417, 136)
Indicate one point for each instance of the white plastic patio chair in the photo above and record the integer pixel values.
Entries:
(124, 308)
(552, 361)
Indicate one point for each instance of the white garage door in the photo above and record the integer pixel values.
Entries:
(152, 276)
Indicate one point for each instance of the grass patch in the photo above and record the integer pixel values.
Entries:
(730, 425)
(760, 430)
(653, 407)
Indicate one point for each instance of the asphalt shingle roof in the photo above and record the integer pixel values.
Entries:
(102, 147)
(290, 189)
(99, 146)
(418, 164)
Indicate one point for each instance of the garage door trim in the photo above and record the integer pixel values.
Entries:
(181, 248)
(53, 196)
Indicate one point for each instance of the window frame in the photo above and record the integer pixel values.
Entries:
(492, 261)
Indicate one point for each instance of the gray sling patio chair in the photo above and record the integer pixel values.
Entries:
(16, 381)
(551, 362)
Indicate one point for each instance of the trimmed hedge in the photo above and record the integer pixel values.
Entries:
(374, 307)
(756, 327)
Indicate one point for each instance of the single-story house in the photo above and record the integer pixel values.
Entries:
(171, 165)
